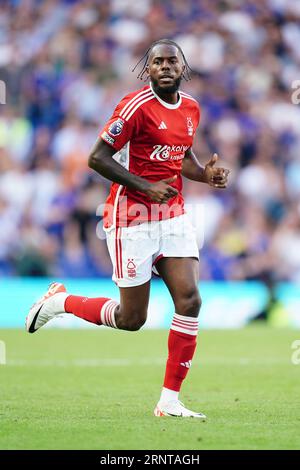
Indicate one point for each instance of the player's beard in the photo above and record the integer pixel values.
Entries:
(166, 90)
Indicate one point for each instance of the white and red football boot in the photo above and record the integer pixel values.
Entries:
(47, 307)
(176, 409)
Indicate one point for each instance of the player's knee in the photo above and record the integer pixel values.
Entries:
(189, 304)
(133, 322)
(135, 325)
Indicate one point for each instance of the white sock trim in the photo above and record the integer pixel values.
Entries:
(186, 319)
(168, 395)
(107, 313)
(59, 301)
(187, 325)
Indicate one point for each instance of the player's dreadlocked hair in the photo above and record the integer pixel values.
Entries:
(187, 74)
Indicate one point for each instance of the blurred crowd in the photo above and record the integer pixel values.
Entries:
(67, 63)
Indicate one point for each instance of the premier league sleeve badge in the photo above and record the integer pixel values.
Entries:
(116, 127)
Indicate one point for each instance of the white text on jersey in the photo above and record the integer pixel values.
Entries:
(164, 152)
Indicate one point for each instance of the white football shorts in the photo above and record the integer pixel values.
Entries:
(134, 250)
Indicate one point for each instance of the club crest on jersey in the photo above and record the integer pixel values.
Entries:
(190, 125)
(116, 127)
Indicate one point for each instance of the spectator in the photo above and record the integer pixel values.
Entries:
(67, 63)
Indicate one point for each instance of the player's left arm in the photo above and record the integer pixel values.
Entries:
(193, 170)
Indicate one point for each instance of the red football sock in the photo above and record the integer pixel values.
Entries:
(92, 309)
(181, 344)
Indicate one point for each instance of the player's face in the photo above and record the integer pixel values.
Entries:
(165, 68)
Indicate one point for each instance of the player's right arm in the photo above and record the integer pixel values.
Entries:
(125, 123)
(100, 160)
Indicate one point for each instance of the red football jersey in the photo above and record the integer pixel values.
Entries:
(150, 137)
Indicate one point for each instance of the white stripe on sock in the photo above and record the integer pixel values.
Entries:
(107, 313)
(187, 325)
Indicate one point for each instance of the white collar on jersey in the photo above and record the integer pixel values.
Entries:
(164, 103)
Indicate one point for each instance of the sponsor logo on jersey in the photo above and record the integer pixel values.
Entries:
(105, 136)
(131, 268)
(166, 152)
(116, 127)
(190, 125)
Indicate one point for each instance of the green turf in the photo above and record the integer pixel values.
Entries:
(96, 389)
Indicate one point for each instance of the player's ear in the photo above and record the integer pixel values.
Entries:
(147, 73)
(183, 69)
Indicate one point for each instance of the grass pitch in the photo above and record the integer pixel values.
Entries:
(96, 389)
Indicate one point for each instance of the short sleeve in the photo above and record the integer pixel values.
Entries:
(118, 130)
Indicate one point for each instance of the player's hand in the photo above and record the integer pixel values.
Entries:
(161, 191)
(215, 177)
